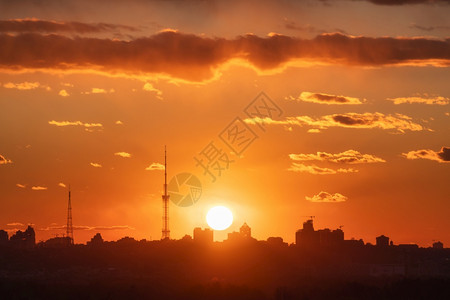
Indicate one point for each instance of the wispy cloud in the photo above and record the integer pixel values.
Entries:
(88, 228)
(327, 197)
(322, 98)
(62, 185)
(150, 88)
(313, 130)
(315, 170)
(119, 122)
(35, 25)
(346, 157)
(123, 154)
(399, 122)
(155, 166)
(429, 28)
(4, 160)
(76, 123)
(63, 93)
(442, 156)
(407, 2)
(39, 188)
(15, 224)
(437, 100)
(22, 86)
(22, 186)
(99, 91)
(95, 165)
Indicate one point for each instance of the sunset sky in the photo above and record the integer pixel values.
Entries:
(358, 135)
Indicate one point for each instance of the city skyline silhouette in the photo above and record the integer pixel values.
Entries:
(215, 149)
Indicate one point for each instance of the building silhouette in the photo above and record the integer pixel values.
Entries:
(57, 242)
(96, 240)
(25, 239)
(244, 234)
(245, 231)
(203, 236)
(308, 237)
(4, 237)
(438, 245)
(382, 241)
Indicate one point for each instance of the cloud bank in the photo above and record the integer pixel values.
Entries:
(399, 122)
(346, 157)
(196, 58)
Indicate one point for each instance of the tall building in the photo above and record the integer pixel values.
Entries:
(203, 236)
(246, 231)
(438, 245)
(4, 237)
(308, 237)
(382, 241)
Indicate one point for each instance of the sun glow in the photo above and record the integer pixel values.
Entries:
(219, 218)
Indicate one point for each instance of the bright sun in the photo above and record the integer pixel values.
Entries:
(219, 218)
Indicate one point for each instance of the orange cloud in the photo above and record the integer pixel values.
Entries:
(315, 170)
(15, 224)
(75, 123)
(62, 185)
(22, 186)
(196, 58)
(399, 122)
(63, 93)
(150, 88)
(84, 227)
(346, 157)
(322, 98)
(155, 166)
(4, 161)
(38, 188)
(123, 154)
(98, 91)
(22, 86)
(442, 156)
(95, 165)
(438, 100)
(327, 197)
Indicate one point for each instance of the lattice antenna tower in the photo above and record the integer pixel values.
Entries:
(69, 229)
(165, 198)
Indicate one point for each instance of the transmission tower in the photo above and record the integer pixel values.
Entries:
(165, 198)
(69, 232)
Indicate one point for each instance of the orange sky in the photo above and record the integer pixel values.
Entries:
(90, 94)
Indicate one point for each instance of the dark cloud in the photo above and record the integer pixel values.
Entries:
(195, 57)
(322, 98)
(402, 2)
(442, 156)
(429, 28)
(31, 25)
(351, 121)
